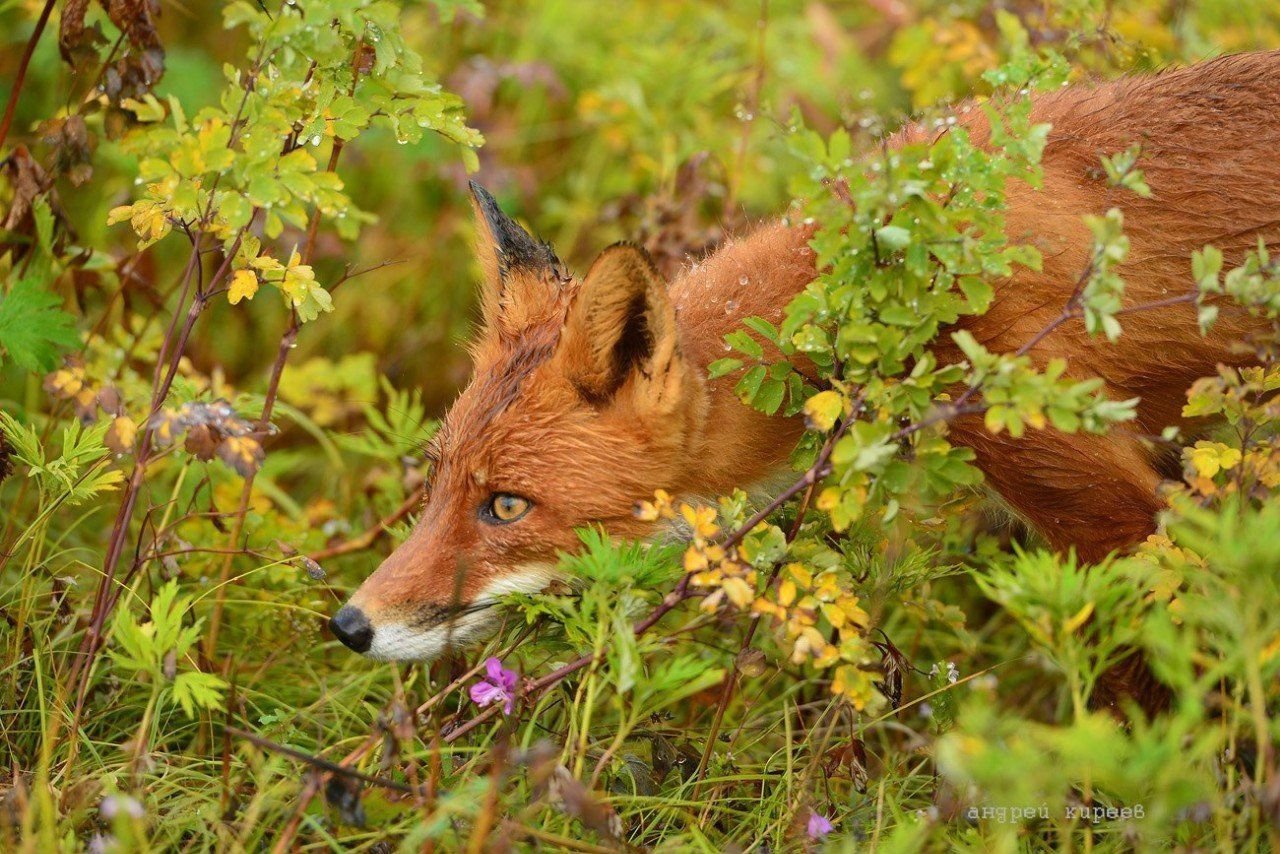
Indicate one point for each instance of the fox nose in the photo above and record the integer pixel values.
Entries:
(352, 627)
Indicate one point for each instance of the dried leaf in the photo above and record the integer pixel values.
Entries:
(121, 435)
(750, 662)
(894, 664)
(242, 453)
(201, 442)
(30, 182)
(110, 401)
(166, 425)
(64, 383)
(73, 147)
(566, 792)
(71, 28)
(86, 404)
(343, 793)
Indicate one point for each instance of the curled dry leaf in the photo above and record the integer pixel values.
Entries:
(75, 42)
(566, 792)
(30, 182)
(212, 429)
(894, 665)
(313, 569)
(201, 442)
(86, 404)
(750, 662)
(110, 401)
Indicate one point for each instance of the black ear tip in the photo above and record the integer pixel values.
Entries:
(478, 191)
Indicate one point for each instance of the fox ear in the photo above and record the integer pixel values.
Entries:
(522, 275)
(622, 327)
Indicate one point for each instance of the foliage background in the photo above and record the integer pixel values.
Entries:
(660, 121)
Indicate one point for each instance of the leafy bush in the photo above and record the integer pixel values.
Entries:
(231, 303)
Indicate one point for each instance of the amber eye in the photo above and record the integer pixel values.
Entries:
(503, 507)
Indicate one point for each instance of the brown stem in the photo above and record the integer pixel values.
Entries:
(373, 534)
(287, 341)
(319, 762)
(105, 600)
(730, 681)
(21, 76)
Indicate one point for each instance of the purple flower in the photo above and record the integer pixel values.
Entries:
(499, 684)
(114, 805)
(819, 825)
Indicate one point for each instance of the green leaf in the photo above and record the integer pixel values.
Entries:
(720, 367)
(891, 238)
(744, 343)
(34, 328)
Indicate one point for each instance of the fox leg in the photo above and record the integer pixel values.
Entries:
(1096, 493)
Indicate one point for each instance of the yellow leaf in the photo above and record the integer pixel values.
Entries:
(786, 593)
(1079, 619)
(802, 575)
(1209, 458)
(738, 591)
(244, 284)
(835, 616)
(821, 410)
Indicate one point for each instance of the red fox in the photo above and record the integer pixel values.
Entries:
(592, 393)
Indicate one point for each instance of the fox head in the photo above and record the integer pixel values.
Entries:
(581, 403)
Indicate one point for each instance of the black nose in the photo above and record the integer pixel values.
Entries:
(351, 626)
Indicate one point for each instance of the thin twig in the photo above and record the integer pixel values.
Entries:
(324, 764)
(374, 533)
(21, 76)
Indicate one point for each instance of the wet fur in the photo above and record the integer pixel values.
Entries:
(590, 394)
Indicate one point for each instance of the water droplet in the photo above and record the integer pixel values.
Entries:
(744, 280)
(730, 306)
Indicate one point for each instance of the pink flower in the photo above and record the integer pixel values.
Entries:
(819, 825)
(499, 684)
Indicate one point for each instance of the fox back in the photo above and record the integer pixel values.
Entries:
(592, 393)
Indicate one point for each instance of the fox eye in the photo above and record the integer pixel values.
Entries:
(503, 507)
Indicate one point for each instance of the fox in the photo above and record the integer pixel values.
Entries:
(591, 393)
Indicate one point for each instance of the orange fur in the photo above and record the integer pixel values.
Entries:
(589, 395)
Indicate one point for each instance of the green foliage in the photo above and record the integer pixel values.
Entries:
(33, 327)
(151, 650)
(874, 652)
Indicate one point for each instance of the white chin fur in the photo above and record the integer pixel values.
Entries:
(401, 642)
